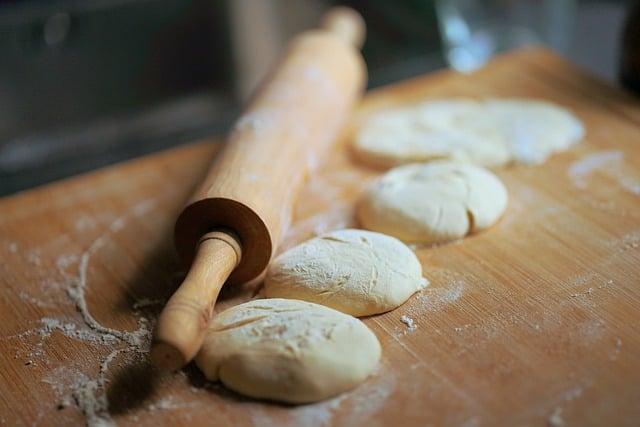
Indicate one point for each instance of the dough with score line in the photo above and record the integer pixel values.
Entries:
(488, 133)
(287, 350)
(355, 271)
(433, 202)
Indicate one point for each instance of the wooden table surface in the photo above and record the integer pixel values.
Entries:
(534, 322)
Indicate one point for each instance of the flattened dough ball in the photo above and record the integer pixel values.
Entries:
(288, 350)
(456, 129)
(487, 133)
(433, 202)
(355, 271)
(535, 129)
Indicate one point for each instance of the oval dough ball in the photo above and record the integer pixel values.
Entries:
(487, 133)
(355, 271)
(287, 350)
(433, 202)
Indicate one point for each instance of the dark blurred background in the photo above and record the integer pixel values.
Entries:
(87, 83)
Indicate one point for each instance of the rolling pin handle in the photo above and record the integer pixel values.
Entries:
(345, 23)
(184, 319)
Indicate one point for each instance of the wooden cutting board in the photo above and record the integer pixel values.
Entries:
(533, 322)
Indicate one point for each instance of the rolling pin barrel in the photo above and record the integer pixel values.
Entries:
(248, 194)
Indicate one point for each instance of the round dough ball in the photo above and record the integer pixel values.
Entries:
(287, 350)
(433, 202)
(355, 271)
(455, 129)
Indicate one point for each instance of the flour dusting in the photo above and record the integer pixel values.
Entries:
(411, 326)
(72, 386)
(555, 419)
(608, 162)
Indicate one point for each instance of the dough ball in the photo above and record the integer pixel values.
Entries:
(287, 350)
(433, 202)
(355, 271)
(486, 133)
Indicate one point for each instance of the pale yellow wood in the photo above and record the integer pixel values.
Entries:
(532, 321)
(183, 321)
(347, 24)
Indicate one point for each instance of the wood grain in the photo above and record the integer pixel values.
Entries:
(533, 322)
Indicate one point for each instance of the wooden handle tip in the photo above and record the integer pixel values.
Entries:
(345, 23)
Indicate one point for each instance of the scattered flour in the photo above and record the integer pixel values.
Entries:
(74, 386)
(555, 419)
(434, 299)
(608, 162)
(616, 350)
(411, 326)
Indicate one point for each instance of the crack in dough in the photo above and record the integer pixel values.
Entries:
(288, 350)
(433, 202)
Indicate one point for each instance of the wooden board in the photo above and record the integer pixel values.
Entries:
(533, 322)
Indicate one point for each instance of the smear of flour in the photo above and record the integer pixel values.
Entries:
(168, 403)
(608, 162)
(70, 385)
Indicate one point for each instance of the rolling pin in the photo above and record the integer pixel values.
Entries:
(232, 224)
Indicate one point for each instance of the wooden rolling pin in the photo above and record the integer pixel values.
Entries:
(229, 230)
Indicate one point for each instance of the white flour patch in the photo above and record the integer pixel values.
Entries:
(627, 242)
(28, 298)
(64, 261)
(580, 170)
(168, 403)
(12, 247)
(555, 419)
(408, 321)
(616, 350)
(85, 223)
(608, 162)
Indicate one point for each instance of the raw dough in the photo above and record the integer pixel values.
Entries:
(288, 350)
(355, 271)
(433, 202)
(535, 129)
(487, 133)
